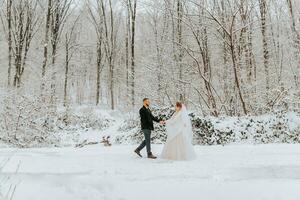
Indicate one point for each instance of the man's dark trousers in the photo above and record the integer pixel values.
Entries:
(146, 142)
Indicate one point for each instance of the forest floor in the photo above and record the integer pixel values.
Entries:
(233, 172)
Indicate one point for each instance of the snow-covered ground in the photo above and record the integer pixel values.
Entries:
(235, 172)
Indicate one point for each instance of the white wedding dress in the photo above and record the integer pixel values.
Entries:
(179, 137)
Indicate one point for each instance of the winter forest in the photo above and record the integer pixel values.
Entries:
(233, 58)
(74, 73)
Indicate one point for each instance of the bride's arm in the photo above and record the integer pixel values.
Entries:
(172, 119)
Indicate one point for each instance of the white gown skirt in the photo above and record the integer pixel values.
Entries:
(178, 148)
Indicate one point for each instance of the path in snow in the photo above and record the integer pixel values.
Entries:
(239, 172)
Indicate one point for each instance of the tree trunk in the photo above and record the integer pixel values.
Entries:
(9, 27)
(132, 9)
(127, 41)
(99, 67)
(24, 22)
(66, 71)
(180, 49)
(263, 14)
(236, 77)
(48, 22)
(296, 40)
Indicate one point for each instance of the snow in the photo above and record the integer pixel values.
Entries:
(92, 135)
(237, 124)
(234, 172)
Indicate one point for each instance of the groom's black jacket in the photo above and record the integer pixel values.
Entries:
(147, 118)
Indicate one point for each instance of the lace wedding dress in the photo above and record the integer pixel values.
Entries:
(179, 137)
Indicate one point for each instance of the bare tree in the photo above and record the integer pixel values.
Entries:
(22, 20)
(70, 47)
(160, 32)
(229, 35)
(59, 14)
(179, 42)
(127, 49)
(296, 39)
(110, 36)
(263, 19)
(199, 32)
(9, 38)
(97, 21)
(132, 10)
(46, 40)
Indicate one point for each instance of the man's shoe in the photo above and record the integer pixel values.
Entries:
(138, 153)
(151, 156)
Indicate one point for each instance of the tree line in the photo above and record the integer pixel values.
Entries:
(235, 57)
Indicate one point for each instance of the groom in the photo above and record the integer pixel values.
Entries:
(147, 126)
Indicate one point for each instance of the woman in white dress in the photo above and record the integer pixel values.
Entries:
(179, 136)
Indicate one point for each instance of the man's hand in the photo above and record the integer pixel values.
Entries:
(162, 122)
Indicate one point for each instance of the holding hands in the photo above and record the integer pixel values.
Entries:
(162, 122)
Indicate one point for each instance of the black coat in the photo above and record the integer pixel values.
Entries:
(147, 118)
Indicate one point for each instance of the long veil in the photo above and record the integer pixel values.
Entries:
(187, 124)
(180, 123)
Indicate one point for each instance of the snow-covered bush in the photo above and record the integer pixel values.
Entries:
(205, 132)
(130, 132)
(279, 127)
(82, 119)
(26, 121)
(29, 121)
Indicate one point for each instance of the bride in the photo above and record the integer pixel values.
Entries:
(179, 136)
